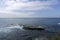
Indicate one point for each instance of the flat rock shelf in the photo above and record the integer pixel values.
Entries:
(33, 28)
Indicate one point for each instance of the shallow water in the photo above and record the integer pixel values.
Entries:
(15, 33)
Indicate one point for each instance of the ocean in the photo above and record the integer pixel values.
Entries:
(51, 25)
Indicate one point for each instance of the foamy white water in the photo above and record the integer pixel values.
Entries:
(6, 30)
(59, 23)
(16, 26)
(11, 28)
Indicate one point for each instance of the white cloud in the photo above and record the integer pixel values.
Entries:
(6, 14)
(34, 5)
(8, 7)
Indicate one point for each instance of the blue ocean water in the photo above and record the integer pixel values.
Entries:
(51, 24)
(37, 21)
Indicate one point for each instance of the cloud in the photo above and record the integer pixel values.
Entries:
(33, 5)
(10, 8)
(8, 14)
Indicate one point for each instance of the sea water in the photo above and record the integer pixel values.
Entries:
(8, 32)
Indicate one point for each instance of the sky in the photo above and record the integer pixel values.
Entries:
(29, 8)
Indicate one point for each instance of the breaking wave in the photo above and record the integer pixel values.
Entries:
(59, 23)
(11, 27)
(15, 26)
